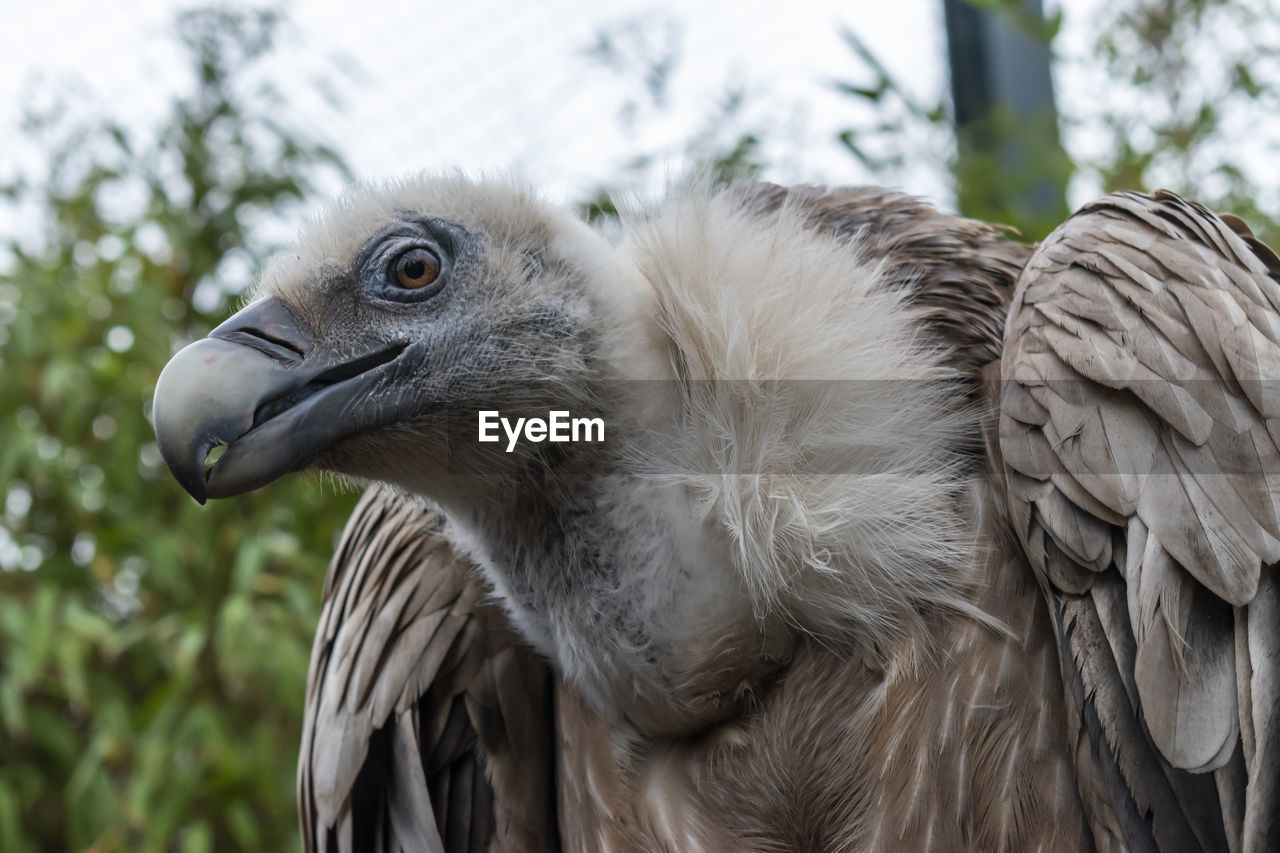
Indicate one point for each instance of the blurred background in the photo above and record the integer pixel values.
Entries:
(153, 653)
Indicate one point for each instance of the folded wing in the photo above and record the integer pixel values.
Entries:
(1140, 435)
(428, 724)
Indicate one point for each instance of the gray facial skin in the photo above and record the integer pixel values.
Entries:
(280, 396)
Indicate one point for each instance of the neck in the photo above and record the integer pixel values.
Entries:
(614, 578)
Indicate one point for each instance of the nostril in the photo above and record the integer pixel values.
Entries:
(282, 350)
(280, 342)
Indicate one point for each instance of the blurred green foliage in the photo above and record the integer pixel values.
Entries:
(643, 54)
(1180, 94)
(1195, 91)
(153, 653)
(987, 182)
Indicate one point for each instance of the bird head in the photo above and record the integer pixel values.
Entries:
(397, 315)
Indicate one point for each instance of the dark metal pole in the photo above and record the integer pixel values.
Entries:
(1002, 91)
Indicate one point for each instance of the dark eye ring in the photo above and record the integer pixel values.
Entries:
(416, 268)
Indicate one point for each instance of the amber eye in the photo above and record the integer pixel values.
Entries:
(417, 268)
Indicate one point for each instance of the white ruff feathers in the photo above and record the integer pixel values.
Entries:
(842, 493)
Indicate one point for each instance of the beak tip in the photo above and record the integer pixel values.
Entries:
(192, 480)
(198, 494)
(184, 459)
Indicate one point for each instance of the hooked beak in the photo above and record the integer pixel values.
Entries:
(259, 385)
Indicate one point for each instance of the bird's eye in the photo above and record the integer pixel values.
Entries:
(417, 268)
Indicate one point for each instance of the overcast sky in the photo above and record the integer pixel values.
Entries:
(503, 84)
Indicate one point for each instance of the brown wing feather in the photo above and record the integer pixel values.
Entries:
(428, 725)
(960, 272)
(1139, 436)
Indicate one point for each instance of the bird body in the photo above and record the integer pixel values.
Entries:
(953, 749)
(876, 555)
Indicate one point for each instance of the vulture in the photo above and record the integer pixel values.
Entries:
(770, 519)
